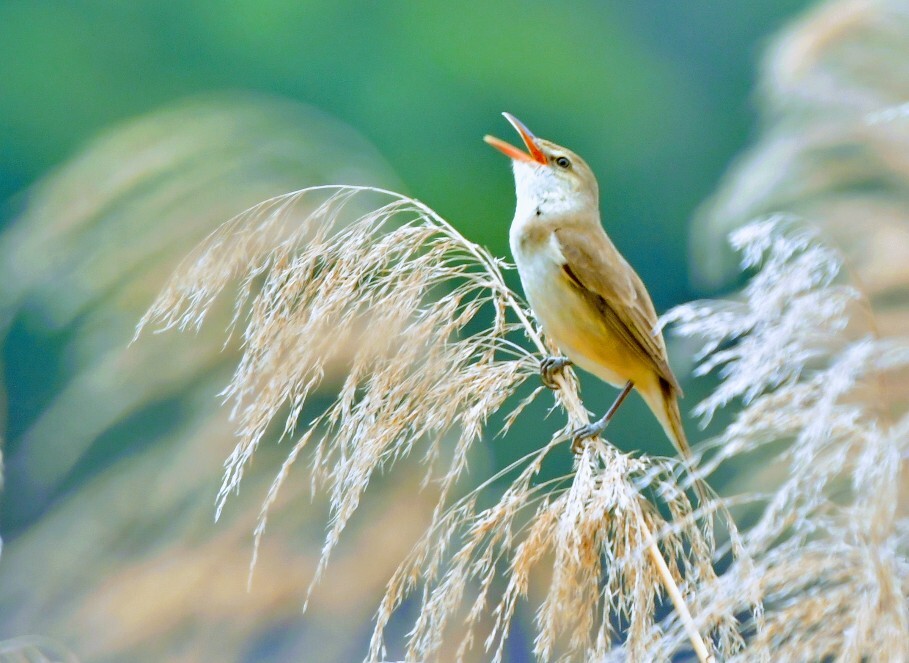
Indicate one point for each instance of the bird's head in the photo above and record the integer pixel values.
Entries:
(549, 179)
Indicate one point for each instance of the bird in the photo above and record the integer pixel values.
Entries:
(588, 300)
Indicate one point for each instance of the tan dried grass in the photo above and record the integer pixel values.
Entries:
(404, 289)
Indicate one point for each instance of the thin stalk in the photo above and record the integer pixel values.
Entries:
(678, 601)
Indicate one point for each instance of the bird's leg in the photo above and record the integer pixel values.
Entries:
(549, 366)
(597, 427)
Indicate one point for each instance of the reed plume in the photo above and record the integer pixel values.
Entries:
(823, 431)
(618, 534)
(408, 293)
(824, 554)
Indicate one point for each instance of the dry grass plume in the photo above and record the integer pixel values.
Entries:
(410, 295)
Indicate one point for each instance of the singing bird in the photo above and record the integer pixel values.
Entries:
(588, 299)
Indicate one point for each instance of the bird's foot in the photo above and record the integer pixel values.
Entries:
(549, 367)
(588, 432)
(597, 427)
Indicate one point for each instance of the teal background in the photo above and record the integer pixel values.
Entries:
(655, 95)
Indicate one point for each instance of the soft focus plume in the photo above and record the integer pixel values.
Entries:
(109, 543)
(834, 150)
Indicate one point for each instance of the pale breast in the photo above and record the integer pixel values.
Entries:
(567, 318)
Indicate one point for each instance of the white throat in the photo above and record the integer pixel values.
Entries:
(539, 192)
(544, 195)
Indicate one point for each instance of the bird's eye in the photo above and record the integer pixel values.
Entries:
(563, 162)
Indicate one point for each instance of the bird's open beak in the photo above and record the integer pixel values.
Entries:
(536, 154)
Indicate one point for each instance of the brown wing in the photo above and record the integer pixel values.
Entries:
(601, 273)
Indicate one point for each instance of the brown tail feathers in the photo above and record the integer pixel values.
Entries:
(672, 423)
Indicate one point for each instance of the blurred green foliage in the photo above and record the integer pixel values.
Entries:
(655, 95)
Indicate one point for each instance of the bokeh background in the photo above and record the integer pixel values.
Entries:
(130, 130)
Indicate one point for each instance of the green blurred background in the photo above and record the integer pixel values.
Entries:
(657, 96)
